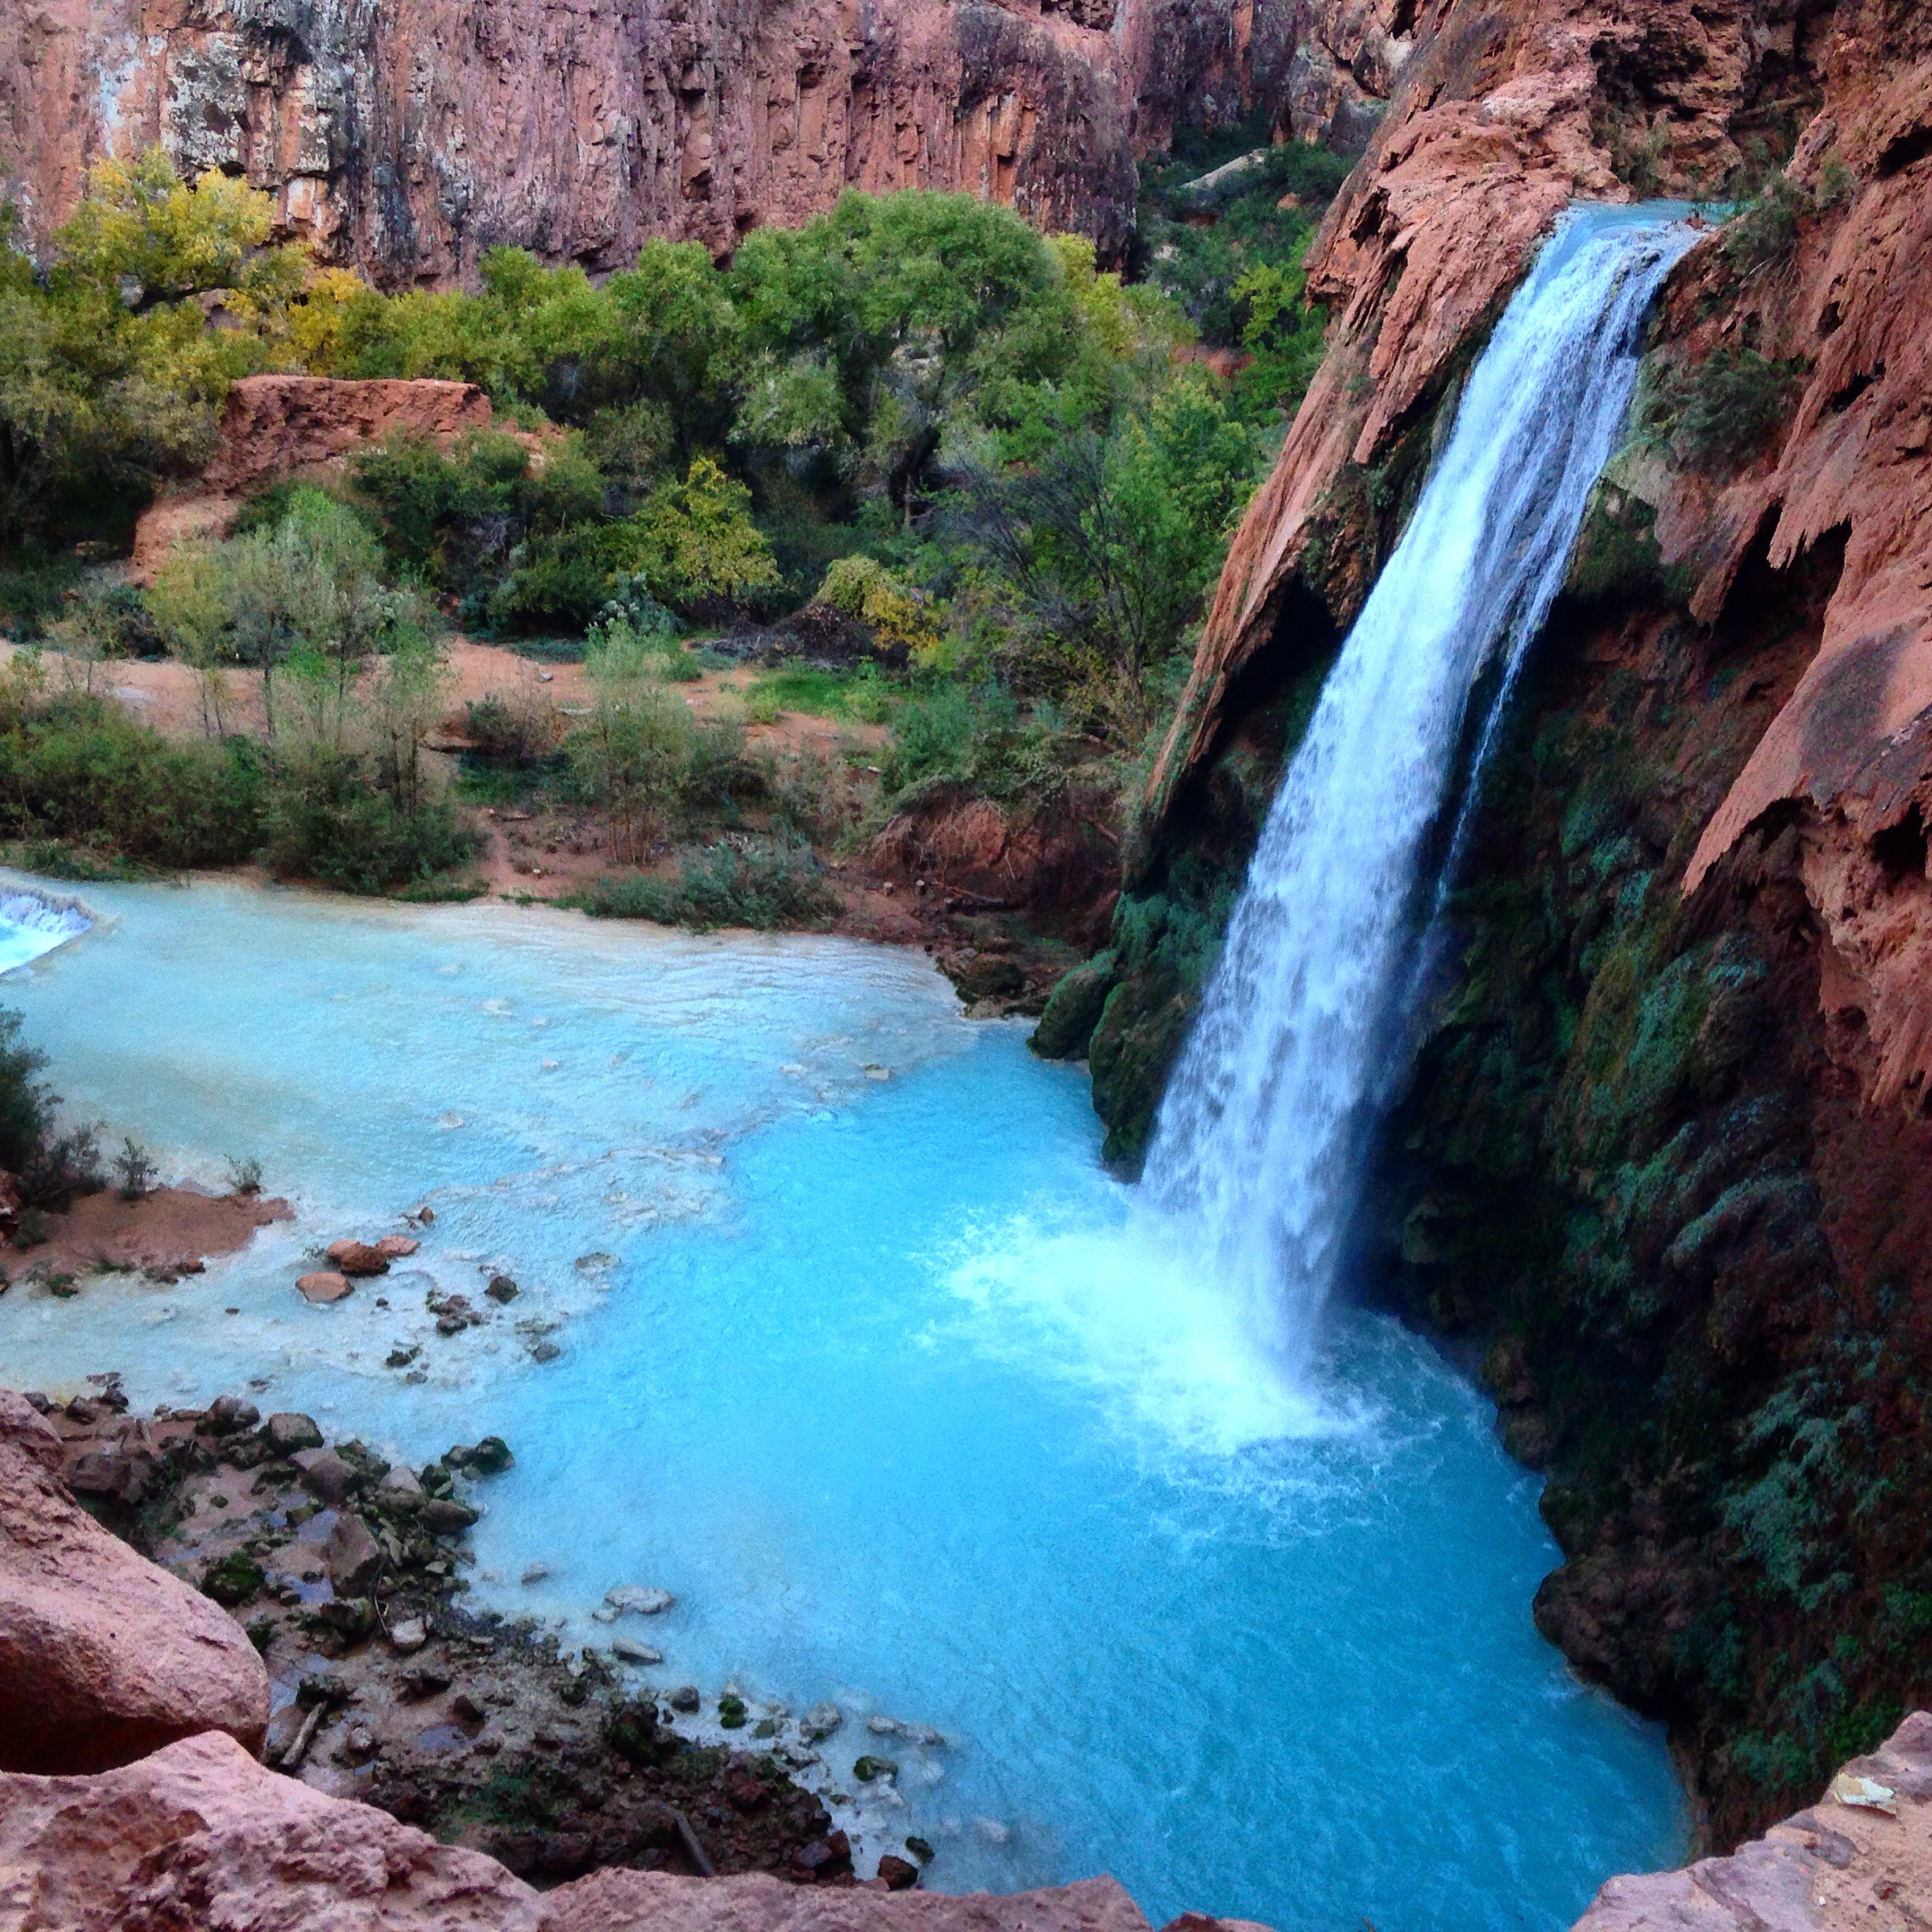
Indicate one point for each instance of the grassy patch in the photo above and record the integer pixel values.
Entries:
(864, 697)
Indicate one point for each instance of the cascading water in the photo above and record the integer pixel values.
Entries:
(1259, 1143)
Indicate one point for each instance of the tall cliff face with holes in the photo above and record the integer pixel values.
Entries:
(1665, 1159)
(406, 135)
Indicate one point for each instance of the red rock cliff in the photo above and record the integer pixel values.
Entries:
(405, 138)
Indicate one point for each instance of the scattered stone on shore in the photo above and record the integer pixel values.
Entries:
(542, 1351)
(534, 1573)
(288, 1432)
(396, 1247)
(632, 1651)
(409, 1636)
(900, 1874)
(685, 1698)
(488, 1456)
(820, 1722)
(358, 1258)
(634, 1600)
(443, 1516)
(324, 1474)
(324, 1286)
(355, 1559)
(883, 1727)
(227, 1414)
(502, 1289)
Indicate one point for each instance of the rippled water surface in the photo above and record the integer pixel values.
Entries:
(858, 1357)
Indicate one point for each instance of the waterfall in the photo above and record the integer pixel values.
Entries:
(1253, 1172)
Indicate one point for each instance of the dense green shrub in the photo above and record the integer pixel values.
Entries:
(764, 883)
(328, 820)
(79, 769)
(1720, 411)
(951, 733)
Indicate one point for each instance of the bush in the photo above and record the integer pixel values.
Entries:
(80, 770)
(864, 588)
(768, 884)
(134, 1168)
(326, 823)
(26, 1105)
(63, 1166)
(1717, 413)
(976, 738)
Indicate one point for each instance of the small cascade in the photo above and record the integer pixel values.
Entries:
(1254, 1169)
(32, 923)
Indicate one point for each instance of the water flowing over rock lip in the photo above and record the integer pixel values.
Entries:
(33, 922)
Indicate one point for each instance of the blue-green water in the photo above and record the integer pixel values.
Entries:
(877, 1380)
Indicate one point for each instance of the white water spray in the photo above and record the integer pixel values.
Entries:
(1259, 1145)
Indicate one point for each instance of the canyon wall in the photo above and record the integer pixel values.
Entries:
(405, 138)
(1663, 1154)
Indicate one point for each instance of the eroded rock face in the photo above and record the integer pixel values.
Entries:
(199, 1834)
(104, 1657)
(406, 138)
(1861, 1856)
(271, 426)
(1499, 115)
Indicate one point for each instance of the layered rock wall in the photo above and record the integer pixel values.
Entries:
(406, 138)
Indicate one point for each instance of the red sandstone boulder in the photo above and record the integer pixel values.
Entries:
(360, 1258)
(325, 1286)
(200, 1835)
(103, 1657)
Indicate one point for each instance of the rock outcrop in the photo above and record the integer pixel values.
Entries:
(275, 426)
(628, 1901)
(103, 1658)
(1861, 1856)
(271, 426)
(201, 1834)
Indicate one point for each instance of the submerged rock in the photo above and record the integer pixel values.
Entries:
(820, 1722)
(636, 1600)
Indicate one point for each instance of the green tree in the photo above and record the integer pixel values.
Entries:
(695, 543)
(111, 378)
(636, 753)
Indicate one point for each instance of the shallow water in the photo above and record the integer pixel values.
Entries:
(876, 1380)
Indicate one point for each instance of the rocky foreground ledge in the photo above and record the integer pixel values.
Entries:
(134, 1711)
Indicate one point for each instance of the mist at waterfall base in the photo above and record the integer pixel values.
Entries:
(863, 1355)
